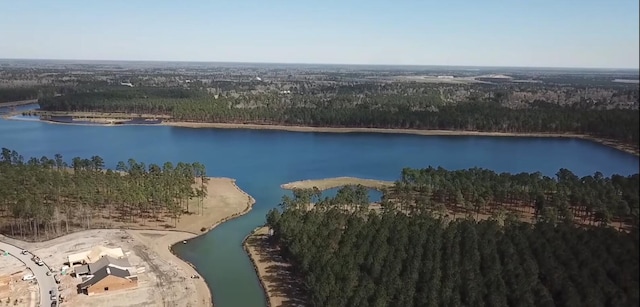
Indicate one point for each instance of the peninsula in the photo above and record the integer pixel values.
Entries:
(120, 217)
(445, 215)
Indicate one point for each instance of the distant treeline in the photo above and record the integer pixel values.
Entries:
(378, 111)
(17, 94)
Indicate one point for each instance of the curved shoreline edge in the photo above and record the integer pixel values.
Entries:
(246, 210)
(245, 247)
(189, 235)
(627, 148)
(609, 143)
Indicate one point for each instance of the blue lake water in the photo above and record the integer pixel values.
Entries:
(261, 160)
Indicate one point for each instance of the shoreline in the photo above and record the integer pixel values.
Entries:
(337, 182)
(172, 237)
(249, 206)
(247, 251)
(627, 148)
(279, 284)
(609, 143)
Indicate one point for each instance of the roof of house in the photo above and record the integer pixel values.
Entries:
(105, 261)
(103, 273)
(83, 269)
(95, 254)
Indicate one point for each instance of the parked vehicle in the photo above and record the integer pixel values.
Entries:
(37, 261)
(28, 277)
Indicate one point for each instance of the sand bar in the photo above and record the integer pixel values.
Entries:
(330, 183)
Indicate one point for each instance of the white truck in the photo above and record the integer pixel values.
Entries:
(37, 261)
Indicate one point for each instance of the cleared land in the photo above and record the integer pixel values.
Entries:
(330, 183)
(13, 290)
(161, 280)
(164, 279)
(224, 200)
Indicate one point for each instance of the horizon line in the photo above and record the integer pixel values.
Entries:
(327, 64)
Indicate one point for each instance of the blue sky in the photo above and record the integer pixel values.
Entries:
(539, 33)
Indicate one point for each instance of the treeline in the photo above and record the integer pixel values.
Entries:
(393, 259)
(593, 199)
(381, 111)
(47, 197)
(24, 93)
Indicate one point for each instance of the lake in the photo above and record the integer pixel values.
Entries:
(261, 160)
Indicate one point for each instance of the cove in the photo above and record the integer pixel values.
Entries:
(261, 160)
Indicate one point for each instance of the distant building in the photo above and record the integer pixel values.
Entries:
(494, 78)
(108, 279)
(94, 255)
(106, 261)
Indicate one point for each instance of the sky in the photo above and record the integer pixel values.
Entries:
(521, 33)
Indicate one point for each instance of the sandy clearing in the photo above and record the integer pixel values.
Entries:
(163, 281)
(12, 288)
(225, 200)
(274, 274)
(158, 243)
(330, 183)
(166, 280)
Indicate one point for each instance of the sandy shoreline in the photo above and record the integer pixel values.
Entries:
(275, 276)
(153, 244)
(610, 143)
(330, 183)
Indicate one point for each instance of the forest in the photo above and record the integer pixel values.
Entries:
(26, 93)
(46, 197)
(16, 94)
(404, 111)
(390, 258)
(592, 200)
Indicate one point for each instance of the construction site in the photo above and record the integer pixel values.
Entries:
(15, 289)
